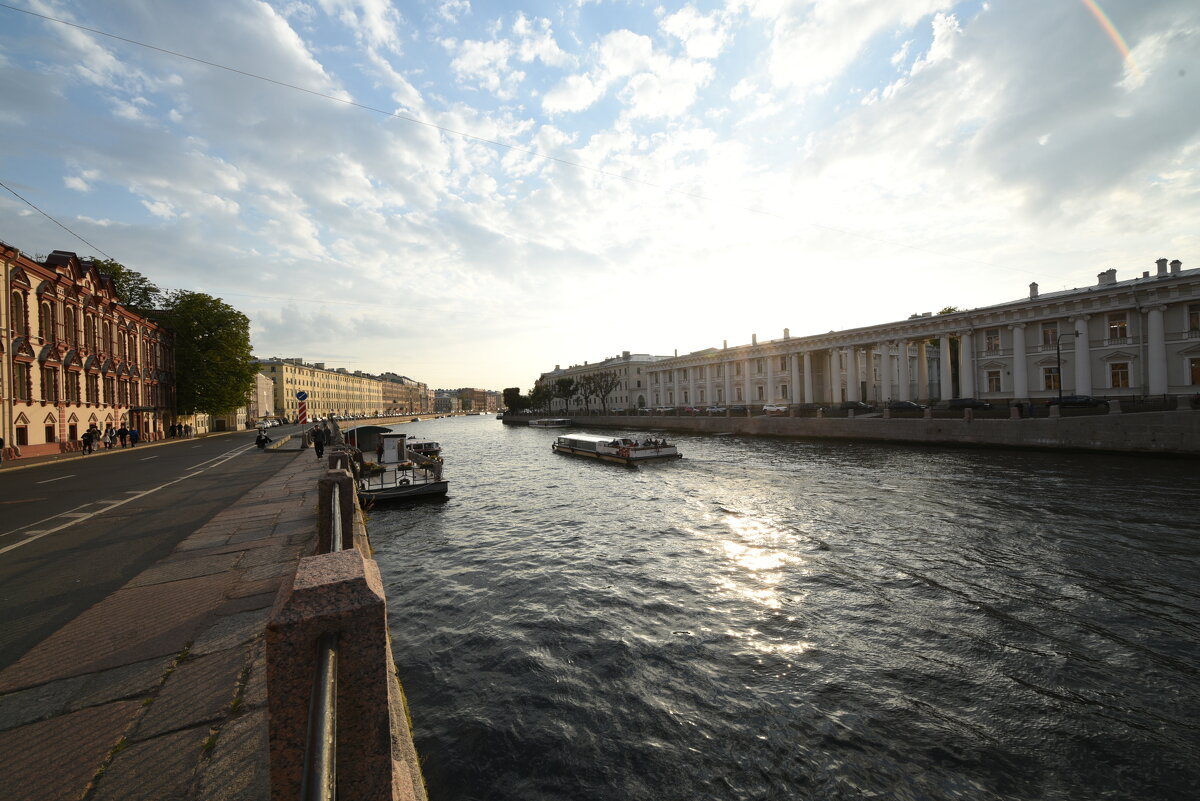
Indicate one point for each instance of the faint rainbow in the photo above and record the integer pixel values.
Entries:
(1113, 34)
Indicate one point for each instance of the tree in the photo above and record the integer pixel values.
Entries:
(540, 396)
(606, 382)
(135, 291)
(587, 388)
(213, 369)
(565, 389)
(514, 401)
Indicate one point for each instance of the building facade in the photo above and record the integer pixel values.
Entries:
(624, 382)
(71, 356)
(1137, 337)
(330, 392)
(404, 395)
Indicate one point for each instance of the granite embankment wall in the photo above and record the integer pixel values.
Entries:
(1175, 433)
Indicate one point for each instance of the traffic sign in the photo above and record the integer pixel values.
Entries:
(301, 395)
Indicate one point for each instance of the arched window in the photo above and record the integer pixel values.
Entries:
(69, 332)
(20, 315)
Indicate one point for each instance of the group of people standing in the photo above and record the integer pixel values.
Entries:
(180, 430)
(94, 439)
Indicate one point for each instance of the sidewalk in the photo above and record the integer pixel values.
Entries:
(158, 691)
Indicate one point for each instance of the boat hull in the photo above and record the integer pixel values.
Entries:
(404, 491)
(632, 459)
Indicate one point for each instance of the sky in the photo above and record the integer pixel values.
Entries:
(472, 193)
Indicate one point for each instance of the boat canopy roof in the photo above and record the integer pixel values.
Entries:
(599, 438)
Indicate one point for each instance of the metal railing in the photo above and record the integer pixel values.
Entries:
(319, 782)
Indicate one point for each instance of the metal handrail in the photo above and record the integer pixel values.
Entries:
(335, 528)
(319, 782)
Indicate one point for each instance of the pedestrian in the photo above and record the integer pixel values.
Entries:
(110, 436)
(318, 441)
(1, 450)
(379, 451)
(187, 430)
(134, 436)
(122, 434)
(261, 440)
(86, 439)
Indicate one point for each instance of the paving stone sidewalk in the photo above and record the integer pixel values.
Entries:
(158, 691)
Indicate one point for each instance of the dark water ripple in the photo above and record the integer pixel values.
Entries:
(774, 619)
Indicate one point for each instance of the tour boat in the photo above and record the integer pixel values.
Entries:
(623, 450)
(401, 473)
(551, 422)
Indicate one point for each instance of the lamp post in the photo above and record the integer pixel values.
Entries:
(1058, 354)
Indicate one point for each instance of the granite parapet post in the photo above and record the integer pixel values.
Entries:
(346, 490)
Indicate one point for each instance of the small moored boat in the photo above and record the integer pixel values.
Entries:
(401, 473)
(624, 450)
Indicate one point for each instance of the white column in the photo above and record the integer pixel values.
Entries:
(922, 371)
(728, 370)
(966, 364)
(905, 371)
(886, 372)
(1083, 357)
(793, 362)
(945, 380)
(831, 388)
(1020, 366)
(808, 378)
(1156, 352)
(746, 382)
(852, 379)
(769, 394)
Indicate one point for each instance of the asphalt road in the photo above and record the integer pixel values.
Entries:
(75, 530)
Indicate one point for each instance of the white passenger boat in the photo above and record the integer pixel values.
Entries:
(623, 450)
(552, 422)
(401, 473)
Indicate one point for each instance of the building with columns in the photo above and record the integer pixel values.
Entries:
(71, 356)
(330, 392)
(1133, 337)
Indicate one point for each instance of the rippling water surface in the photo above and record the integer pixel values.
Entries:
(777, 619)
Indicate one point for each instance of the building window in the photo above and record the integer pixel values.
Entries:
(50, 434)
(760, 393)
(49, 385)
(1119, 374)
(701, 398)
(72, 432)
(991, 340)
(1050, 334)
(703, 371)
(737, 369)
(1195, 370)
(22, 436)
(993, 381)
(783, 391)
(685, 396)
(1050, 378)
(737, 394)
(1193, 321)
(721, 369)
(93, 388)
(783, 364)
(1118, 328)
(20, 379)
(758, 366)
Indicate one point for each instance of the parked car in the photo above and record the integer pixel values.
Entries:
(856, 406)
(690, 410)
(905, 406)
(775, 408)
(1077, 401)
(715, 410)
(664, 410)
(737, 409)
(617, 410)
(967, 403)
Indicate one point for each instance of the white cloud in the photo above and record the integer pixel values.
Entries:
(703, 37)
(159, 208)
(451, 10)
(536, 41)
(485, 63)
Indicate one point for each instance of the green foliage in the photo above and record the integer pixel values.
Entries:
(213, 369)
(540, 397)
(950, 310)
(514, 401)
(565, 389)
(134, 290)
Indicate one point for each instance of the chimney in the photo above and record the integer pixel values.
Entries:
(624, 354)
(787, 333)
(1033, 291)
(1162, 267)
(1176, 266)
(1145, 273)
(724, 344)
(754, 339)
(1109, 276)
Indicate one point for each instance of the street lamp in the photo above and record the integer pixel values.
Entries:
(1058, 354)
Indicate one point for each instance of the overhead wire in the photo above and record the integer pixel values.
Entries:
(485, 140)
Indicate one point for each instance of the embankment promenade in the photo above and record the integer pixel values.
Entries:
(193, 680)
(1167, 433)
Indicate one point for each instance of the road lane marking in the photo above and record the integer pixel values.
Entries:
(148, 458)
(60, 478)
(79, 517)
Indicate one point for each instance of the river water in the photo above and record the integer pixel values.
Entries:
(781, 619)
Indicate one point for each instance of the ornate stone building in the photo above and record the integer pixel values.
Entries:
(330, 392)
(630, 381)
(71, 356)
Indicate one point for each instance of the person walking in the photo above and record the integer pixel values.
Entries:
(187, 430)
(122, 434)
(1, 450)
(318, 441)
(86, 439)
(134, 436)
(110, 437)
